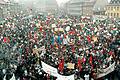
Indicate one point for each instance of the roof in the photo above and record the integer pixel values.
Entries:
(114, 3)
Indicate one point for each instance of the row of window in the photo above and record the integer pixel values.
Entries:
(114, 8)
(115, 2)
(114, 14)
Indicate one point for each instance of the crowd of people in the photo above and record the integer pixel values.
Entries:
(73, 45)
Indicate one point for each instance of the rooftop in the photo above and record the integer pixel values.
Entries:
(115, 2)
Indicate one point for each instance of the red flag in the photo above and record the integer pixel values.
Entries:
(89, 39)
(6, 40)
(110, 53)
(71, 32)
(40, 29)
(90, 60)
(79, 64)
(61, 65)
(65, 36)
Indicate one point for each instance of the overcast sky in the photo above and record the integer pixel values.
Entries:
(58, 1)
(61, 1)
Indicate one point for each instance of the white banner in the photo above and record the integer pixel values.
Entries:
(53, 71)
(49, 69)
(106, 71)
(60, 77)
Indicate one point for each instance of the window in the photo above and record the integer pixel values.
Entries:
(114, 8)
(108, 14)
(114, 14)
(111, 14)
(117, 8)
(108, 8)
(117, 14)
(111, 8)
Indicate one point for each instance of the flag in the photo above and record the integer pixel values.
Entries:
(6, 40)
(110, 53)
(79, 64)
(89, 39)
(59, 40)
(71, 32)
(90, 60)
(40, 29)
(61, 65)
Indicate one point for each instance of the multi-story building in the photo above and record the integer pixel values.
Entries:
(88, 6)
(2, 5)
(8, 9)
(74, 7)
(100, 7)
(80, 7)
(51, 6)
(113, 9)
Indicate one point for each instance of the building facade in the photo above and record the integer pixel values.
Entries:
(51, 6)
(113, 9)
(100, 7)
(88, 6)
(80, 7)
(74, 7)
(8, 9)
(2, 6)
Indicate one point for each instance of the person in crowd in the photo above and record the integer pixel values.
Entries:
(67, 44)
